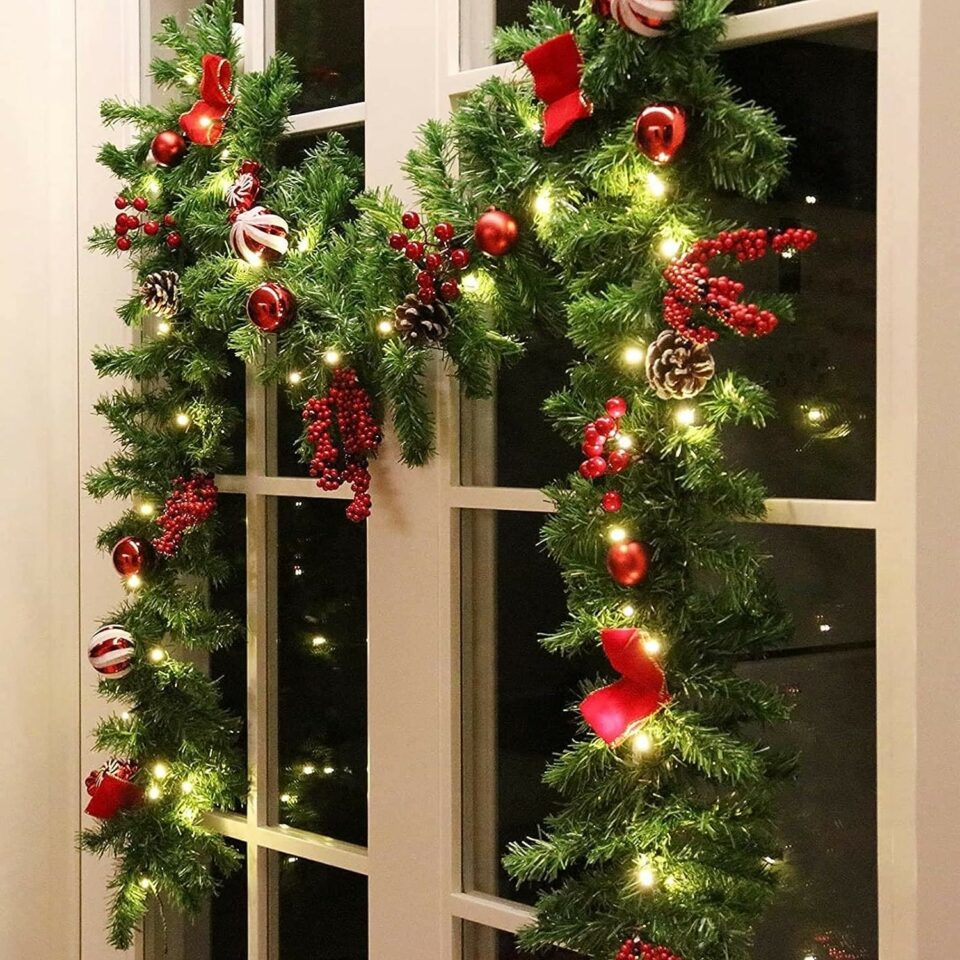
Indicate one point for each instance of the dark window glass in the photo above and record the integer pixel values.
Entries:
(220, 932)
(323, 911)
(294, 148)
(515, 696)
(821, 370)
(325, 38)
(322, 675)
(745, 6)
(235, 393)
(515, 11)
(229, 665)
(485, 943)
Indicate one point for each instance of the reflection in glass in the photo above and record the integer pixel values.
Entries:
(515, 695)
(323, 911)
(229, 665)
(325, 39)
(322, 677)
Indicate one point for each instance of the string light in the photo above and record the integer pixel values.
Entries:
(190, 79)
(144, 883)
(157, 655)
(182, 420)
(652, 646)
(470, 283)
(655, 186)
(125, 716)
(146, 509)
(153, 793)
(685, 416)
(328, 770)
(628, 610)
(641, 743)
(303, 244)
(810, 198)
(294, 377)
(308, 769)
(318, 641)
(543, 202)
(385, 328)
(670, 882)
(825, 628)
(160, 770)
(285, 798)
(163, 328)
(331, 357)
(152, 186)
(633, 356)
(186, 787)
(646, 877)
(815, 415)
(616, 534)
(669, 247)
(624, 442)
(134, 581)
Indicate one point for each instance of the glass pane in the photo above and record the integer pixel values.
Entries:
(229, 665)
(322, 668)
(325, 38)
(294, 148)
(515, 697)
(515, 11)
(485, 943)
(323, 911)
(745, 6)
(821, 370)
(220, 932)
(507, 441)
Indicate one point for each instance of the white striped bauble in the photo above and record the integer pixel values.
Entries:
(258, 234)
(648, 18)
(111, 652)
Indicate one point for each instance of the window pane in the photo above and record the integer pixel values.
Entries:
(485, 943)
(325, 38)
(294, 148)
(746, 6)
(220, 932)
(515, 696)
(323, 912)
(821, 370)
(322, 672)
(229, 665)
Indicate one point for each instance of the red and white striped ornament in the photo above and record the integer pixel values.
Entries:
(111, 652)
(243, 192)
(258, 234)
(648, 18)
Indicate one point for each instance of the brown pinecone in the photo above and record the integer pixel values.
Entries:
(161, 292)
(422, 324)
(678, 368)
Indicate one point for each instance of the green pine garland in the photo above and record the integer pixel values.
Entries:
(693, 816)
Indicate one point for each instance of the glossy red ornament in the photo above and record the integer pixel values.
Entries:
(628, 563)
(660, 131)
(443, 232)
(271, 306)
(611, 501)
(496, 232)
(168, 148)
(132, 555)
(616, 407)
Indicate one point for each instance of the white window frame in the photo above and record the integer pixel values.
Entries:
(413, 861)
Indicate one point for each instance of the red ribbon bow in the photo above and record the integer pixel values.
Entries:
(641, 691)
(111, 790)
(557, 66)
(203, 123)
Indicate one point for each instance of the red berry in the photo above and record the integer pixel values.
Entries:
(140, 203)
(121, 203)
(449, 290)
(133, 223)
(433, 261)
(591, 434)
(169, 220)
(612, 501)
(443, 232)
(174, 240)
(594, 449)
(120, 228)
(398, 240)
(616, 407)
(151, 228)
(605, 425)
(414, 250)
(427, 294)
(424, 279)
(618, 460)
(460, 257)
(410, 220)
(123, 243)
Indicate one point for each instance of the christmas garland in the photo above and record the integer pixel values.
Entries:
(288, 270)
(613, 140)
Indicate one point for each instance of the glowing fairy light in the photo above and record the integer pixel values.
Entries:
(633, 355)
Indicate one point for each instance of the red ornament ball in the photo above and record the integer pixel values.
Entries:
(496, 232)
(660, 131)
(612, 501)
(168, 148)
(616, 407)
(271, 306)
(133, 555)
(628, 563)
(111, 652)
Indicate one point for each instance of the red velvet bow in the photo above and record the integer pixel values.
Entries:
(203, 123)
(641, 691)
(111, 789)
(557, 66)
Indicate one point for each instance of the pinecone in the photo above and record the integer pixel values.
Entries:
(678, 368)
(422, 324)
(161, 292)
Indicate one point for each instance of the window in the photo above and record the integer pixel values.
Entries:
(397, 708)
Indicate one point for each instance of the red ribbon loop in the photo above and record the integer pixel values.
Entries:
(557, 66)
(203, 123)
(641, 691)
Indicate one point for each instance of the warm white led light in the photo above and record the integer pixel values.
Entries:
(182, 420)
(331, 357)
(543, 202)
(470, 282)
(146, 509)
(628, 610)
(655, 186)
(160, 770)
(646, 877)
(385, 328)
(157, 655)
(163, 328)
(633, 356)
(318, 641)
(624, 442)
(815, 415)
(616, 534)
(669, 247)
(186, 787)
(652, 646)
(685, 416)
(640, 742)
(308, 769)
(153, 793)
(134, 581)
(294, 377)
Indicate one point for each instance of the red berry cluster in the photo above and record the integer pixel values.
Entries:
(440, 259)
(596, 435)
(838, 947)
(692, 287)
(126, 222)
(636, 949)
(191, 503)
(349, 405)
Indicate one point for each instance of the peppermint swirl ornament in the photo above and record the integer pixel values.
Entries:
(111, 652)
(647, 18)
(258, 234)
(243, 192)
